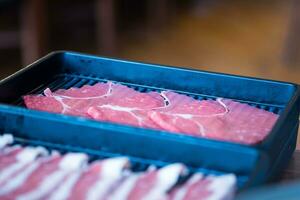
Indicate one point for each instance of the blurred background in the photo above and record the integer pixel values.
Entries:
(257, 38)
(250, 37)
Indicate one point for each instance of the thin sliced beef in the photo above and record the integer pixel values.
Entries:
(127, 106)
(151, 185)
(103, 101)
(73, 101)
(221, 119)
(205, 188)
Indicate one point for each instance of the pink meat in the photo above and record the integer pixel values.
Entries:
(74, 101)
(222, 119)
(50, 176)
(143, 185)
(99, 179)
(127, 106)
(44, 167)
(8, 157)
(153, 184)
(201, 188)
(15, 160)
(103, 101)
(37, 177)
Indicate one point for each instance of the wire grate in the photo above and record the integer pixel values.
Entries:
(66, 81)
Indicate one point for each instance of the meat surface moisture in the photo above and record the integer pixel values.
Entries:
(221, 119)
(31, 173)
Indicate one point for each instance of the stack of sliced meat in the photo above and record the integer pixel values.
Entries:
(31, 173)
(222, 119)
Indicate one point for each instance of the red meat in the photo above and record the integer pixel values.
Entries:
(222, 119)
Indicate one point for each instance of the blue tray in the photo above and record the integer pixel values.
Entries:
(252, 164)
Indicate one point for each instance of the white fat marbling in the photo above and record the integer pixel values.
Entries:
(29, 154)
(125, 188)
(5, 140)
(222, 187)
(180, 194)
(111, 172)
(70, 163)
(47, 185)
(114, 167)
(23, 158)
(73, 161)
(19, 180)
(63, 192)
(166, 178)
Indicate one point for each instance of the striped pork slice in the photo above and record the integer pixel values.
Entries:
(15, 160)
(222, 119)
(16, 185)
(8, 155)
(99, 179)
(51, 175)
(45, 166)
(153, 184)
(199, 187)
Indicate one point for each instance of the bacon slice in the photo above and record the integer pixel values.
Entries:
(199, 187)
(99, 179)
(16, 159)
(153, 184)
(221, 119)
(45, 182)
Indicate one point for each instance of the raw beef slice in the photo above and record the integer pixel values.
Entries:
(127, 106)
(221, 119)
(73, 101)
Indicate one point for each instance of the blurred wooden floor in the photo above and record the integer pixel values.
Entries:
(241, 38)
